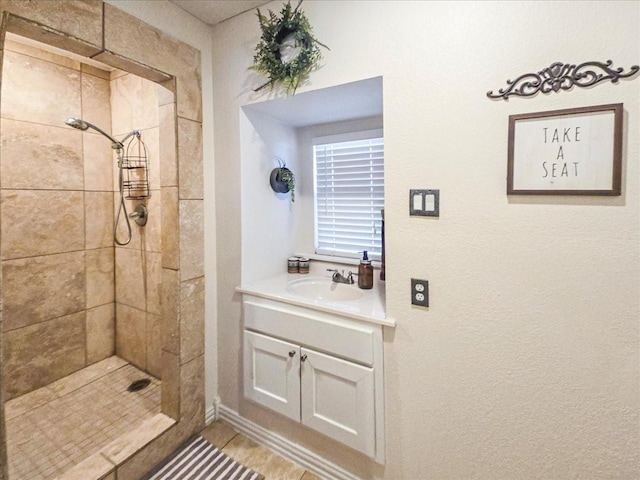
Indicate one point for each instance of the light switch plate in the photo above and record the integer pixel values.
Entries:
(424, 202)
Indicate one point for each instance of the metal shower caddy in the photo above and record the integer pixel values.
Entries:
(134, 162)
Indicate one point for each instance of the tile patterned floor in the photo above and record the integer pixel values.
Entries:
(254, 456)
(53, 428)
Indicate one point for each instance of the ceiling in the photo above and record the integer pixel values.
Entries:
(215, 11)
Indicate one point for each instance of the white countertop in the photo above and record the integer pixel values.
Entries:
(370, 307)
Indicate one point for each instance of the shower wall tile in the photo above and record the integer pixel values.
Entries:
(154, 282)
(170, 385)
(190, 154)
(153, 229)
(170, 319)
(188, 94)
(165, 93)
(159, 50)
(191, 239)
(40, 222)
(170, 228)
(36, 156)
(191, 319)
(27, 402)
(100, 276)
(33, 51)
(81, 19)
(95, 102)
(154, 345)
(126, 92)
(40, 288)
(151, 138)
(36, 355)
(130, 281)
(134, 102)
(192, 393)
(167, 145)
(98, 219)
(41, 92)
(95, 71)
(147, 112)
(131, 335)
(99, 162)
(116, 73)
(123, 232)
(100, 330)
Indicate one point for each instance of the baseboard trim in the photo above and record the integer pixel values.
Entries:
(211, 413)
(283, 447)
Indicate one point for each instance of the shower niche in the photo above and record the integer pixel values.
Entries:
(81, 254)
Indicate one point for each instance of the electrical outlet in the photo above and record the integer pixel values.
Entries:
(420, 292)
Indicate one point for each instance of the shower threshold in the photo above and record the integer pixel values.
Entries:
(84, 419)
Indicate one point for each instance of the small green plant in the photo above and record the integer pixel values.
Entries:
(285, 175)
(283, 180)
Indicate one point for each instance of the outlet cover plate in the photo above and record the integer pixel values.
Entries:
(420, 292)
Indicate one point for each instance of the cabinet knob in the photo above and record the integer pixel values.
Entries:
(292, 353)
(303, 358)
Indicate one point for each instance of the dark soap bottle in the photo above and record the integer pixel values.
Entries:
(365, 272)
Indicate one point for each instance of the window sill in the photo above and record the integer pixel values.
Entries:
(336, 260)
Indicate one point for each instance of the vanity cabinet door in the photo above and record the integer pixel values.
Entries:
(338, 399)
(272, 373)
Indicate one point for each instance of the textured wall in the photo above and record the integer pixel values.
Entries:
(526, 365)
(57, 255)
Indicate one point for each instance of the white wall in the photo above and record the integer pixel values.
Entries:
(526, 363)
(268, 219)
(166, 16)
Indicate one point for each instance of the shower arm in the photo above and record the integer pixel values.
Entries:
(116, 145)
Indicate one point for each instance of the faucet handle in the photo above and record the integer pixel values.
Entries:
(334, 270)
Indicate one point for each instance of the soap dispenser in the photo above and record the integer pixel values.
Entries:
(365, 272)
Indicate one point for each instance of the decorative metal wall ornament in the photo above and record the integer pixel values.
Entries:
(287, 51)
(562, 76)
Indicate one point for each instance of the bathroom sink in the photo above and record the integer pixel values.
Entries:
(321, 288)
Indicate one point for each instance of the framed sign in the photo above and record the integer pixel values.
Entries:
(577, 151)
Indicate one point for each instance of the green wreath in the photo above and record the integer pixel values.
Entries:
(289, 33)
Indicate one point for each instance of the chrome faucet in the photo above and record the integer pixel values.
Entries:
(338, 277)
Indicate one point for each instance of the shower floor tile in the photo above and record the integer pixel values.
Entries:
(54, 428)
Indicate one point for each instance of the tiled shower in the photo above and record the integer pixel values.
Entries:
(92, 28)
(71, 299)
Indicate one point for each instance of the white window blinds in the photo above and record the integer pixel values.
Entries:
(349, 195)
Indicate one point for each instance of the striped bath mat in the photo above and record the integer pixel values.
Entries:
(200, 460)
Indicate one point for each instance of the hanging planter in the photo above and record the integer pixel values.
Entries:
(283, 180)
(287, 51)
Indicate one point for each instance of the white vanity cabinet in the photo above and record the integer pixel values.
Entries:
(319, 369)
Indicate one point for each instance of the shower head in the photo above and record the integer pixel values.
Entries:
(82, 125)
(77, 123)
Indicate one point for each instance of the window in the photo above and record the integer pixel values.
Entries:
(349, 194)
